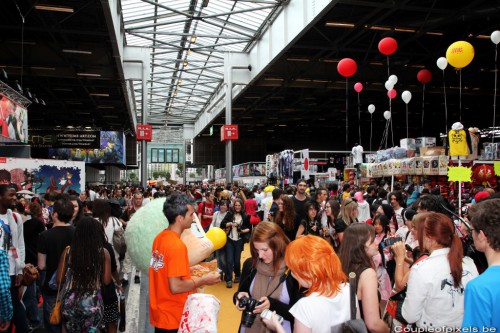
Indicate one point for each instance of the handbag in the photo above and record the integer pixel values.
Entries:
(254, 219)
(354, 325)
(55, 315)
(119, 239)
(30, 274)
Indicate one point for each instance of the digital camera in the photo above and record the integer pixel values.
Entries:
(249, 304)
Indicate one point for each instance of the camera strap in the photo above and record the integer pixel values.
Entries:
(282, 279)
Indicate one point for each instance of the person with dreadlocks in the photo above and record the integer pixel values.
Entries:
(82, 307)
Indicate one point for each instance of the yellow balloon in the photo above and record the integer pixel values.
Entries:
(217, 236)
(460, 54)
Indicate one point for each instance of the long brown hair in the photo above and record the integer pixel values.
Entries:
(441, 229)
(288, 213)
(271, 234)
(335, 207)
(352, 252)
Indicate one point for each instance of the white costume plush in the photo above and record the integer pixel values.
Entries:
(148, 222)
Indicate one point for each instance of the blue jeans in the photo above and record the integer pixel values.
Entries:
(233, 258)
(49, 301)
(221, 259)
(31, 303)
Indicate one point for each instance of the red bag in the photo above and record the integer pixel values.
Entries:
(254, 219)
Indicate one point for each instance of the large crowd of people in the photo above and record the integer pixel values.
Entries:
(418, 265)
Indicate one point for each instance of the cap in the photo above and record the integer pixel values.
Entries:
(480, 196)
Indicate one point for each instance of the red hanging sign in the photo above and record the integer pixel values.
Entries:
(229, 132)
(144, 132)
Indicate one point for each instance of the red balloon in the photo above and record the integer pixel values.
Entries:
(387, 46)
(347, 67)
(358, 87)
(424, 76)
(392, 94)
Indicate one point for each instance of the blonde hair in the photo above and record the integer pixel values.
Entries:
(346, 209)
(313, 259)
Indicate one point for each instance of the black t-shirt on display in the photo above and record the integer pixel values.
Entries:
(52, 243)
(32, 229)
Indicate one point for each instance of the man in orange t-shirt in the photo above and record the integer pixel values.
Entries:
(170, 281)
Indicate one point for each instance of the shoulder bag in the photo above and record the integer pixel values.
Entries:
(354, 325)
(55, 315)
(119, 238)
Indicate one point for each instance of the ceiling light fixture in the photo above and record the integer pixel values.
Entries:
(99, 94)
(340, 24)
(89, 74)
(76, 51)
(43, 68)
(185, 63)
(405, 30)
(54, 8)
(298, 59)
(378, 27)
(193, 39)
(433, 33)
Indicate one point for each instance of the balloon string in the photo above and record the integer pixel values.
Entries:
(495, 95)
(371, 130)
(388, 69)
(346, 114)
(445, 105)
(423, 107)
(460, 94)
(392, 132)
(359, 120)
(407, 121)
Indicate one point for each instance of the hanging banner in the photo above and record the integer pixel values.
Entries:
(13, 121)
(61, 138)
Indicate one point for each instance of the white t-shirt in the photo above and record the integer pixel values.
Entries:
(399, 217)
(321, 313)
(111, 227)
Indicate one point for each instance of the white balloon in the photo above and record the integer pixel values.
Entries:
(387, 115)
(371, 108)
(495, 36)
(393, 79)
(406, 96)
(388, 85)
(442, 63)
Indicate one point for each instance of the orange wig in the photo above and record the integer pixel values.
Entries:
(313, 259)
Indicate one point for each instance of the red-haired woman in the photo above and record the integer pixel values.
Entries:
(285, 217)
(326, 304)
(265, 278)
(435, 296)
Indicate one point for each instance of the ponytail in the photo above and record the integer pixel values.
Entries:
(455, 259)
